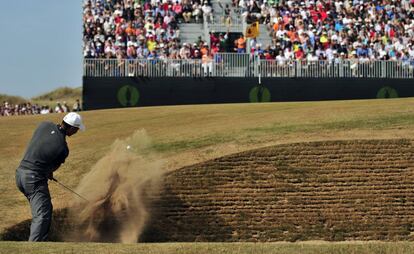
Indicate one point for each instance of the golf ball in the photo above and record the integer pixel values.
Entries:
(128, 147)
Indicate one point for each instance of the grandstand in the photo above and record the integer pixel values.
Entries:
(287, 48)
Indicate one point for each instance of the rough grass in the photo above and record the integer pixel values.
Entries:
(11, 99)
(185, 135)
(67, 94)
(63, 94)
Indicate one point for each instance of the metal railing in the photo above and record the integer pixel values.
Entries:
(245, 65)
(337, 69)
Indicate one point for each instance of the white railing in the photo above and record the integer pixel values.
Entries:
(245, 65)
(338, 69)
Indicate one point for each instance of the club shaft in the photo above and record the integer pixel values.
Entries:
(69, 189)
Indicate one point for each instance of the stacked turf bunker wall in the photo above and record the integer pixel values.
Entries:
(339, 190)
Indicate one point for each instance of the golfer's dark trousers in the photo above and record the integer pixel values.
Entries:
(36, 190)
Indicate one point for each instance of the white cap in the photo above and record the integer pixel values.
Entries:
(75, 120)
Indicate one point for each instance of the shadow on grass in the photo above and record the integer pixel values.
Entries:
(162, 226)
(21, 231)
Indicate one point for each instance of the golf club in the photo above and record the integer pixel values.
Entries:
(69, 189)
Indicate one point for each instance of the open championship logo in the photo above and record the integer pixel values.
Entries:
(387, 92)
(259, 94)
(128, 96)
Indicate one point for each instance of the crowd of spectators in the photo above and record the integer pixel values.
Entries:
(330, 29)
(27, 108)
(129, 29)
(132, 29)
(300, 29)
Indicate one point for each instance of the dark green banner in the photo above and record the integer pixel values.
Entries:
(100, 93)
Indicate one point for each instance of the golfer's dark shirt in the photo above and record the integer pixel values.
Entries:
(47, 150)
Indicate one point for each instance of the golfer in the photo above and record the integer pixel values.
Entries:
(45, 153)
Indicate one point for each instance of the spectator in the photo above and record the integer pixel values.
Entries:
(45, 110)
(207, 13)
(197, 12)
(207, 64)
(5, 109)
(26, 108)
(204, 50)
(226, 19)
(65, 107)
(240, 44)
(185, 52)
(177, 8)
(187, 11)
(213, 38)
(255, 11)
(59, 108)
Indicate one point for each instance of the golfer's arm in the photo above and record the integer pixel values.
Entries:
(61, 159)
(53, 170)
(58, 163)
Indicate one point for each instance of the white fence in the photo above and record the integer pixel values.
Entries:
(244, 65)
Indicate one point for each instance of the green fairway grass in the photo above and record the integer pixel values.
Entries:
(185, 135)
(208, 248)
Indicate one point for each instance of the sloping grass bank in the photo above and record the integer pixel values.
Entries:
(185, 135)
